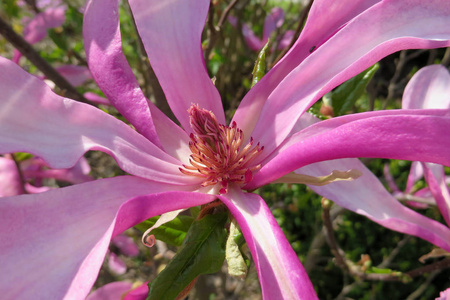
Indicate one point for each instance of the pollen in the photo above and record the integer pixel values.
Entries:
(218, 154)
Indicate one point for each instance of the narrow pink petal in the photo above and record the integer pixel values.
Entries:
(126, 245)
(396, 134)
(428, 88)
(280, 272)
(286, 39)
(367, 196)
(96, 98)
(37, 28)
(253, 42)
(111, 291)
(390, 180)
(273, 21)
(110, 69)
(116, 264)
(139, 293)
(444, 295)
(76, 75)
(171, 32)
(10, 183)
(324, 19)
(415, 174)
(34, 119)
(54, 243)
(31, 189)
(435, 178)
(364, 40)
(77, 174)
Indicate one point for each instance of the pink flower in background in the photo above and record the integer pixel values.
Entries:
(429, 88)
(34, 170)
(274, 20)
(52, 16)
(174, 167)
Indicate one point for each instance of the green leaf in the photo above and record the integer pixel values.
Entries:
(345, 96)
(236, 263)
(202, 252)
(172, 233)
(21, 156)
(58, 38)
(260, 65)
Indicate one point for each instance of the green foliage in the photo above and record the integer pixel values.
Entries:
(260, 65)
(202, 252)
(172, 233)
(344, 97)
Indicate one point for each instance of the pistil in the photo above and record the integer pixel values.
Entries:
(218, 154)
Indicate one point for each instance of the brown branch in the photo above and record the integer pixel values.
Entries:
(27, 50)
(340, 260)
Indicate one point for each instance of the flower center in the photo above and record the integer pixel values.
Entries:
(217, 152)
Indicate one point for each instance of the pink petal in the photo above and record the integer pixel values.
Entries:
(286, 39)
(367, 196)
(444, 295)
(116, 265)
(428, 88)
(10, 183)
(33, 119)
(280, 272)
(53, 243)
(252, 41)
(273, 21)
(96, 98)
(111, 291)
(77, 174)
(396, 134)
(126, 245)
(435, 178)
(110, 68)
(139, 293)
(415, 174)
(171, 32)
(37, 28)
(390, 180)
(76, 75)
(324, 19)
(363, 41)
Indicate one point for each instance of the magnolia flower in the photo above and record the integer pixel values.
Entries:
(52, 16)
(274, 20)
(34, 170)
(174, 167)
(430, 88)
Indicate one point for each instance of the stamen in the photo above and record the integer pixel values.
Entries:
(217, 151)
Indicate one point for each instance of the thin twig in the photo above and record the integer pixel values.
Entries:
(27, 50)
(299, 28)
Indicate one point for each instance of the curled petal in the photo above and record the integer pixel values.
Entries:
(110, 69)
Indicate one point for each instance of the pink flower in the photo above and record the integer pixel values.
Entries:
(75, 224)
(35, 30)
(273, 21)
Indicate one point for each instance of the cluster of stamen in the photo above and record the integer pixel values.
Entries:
(217, 152)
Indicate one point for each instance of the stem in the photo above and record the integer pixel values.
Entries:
(27, 50)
